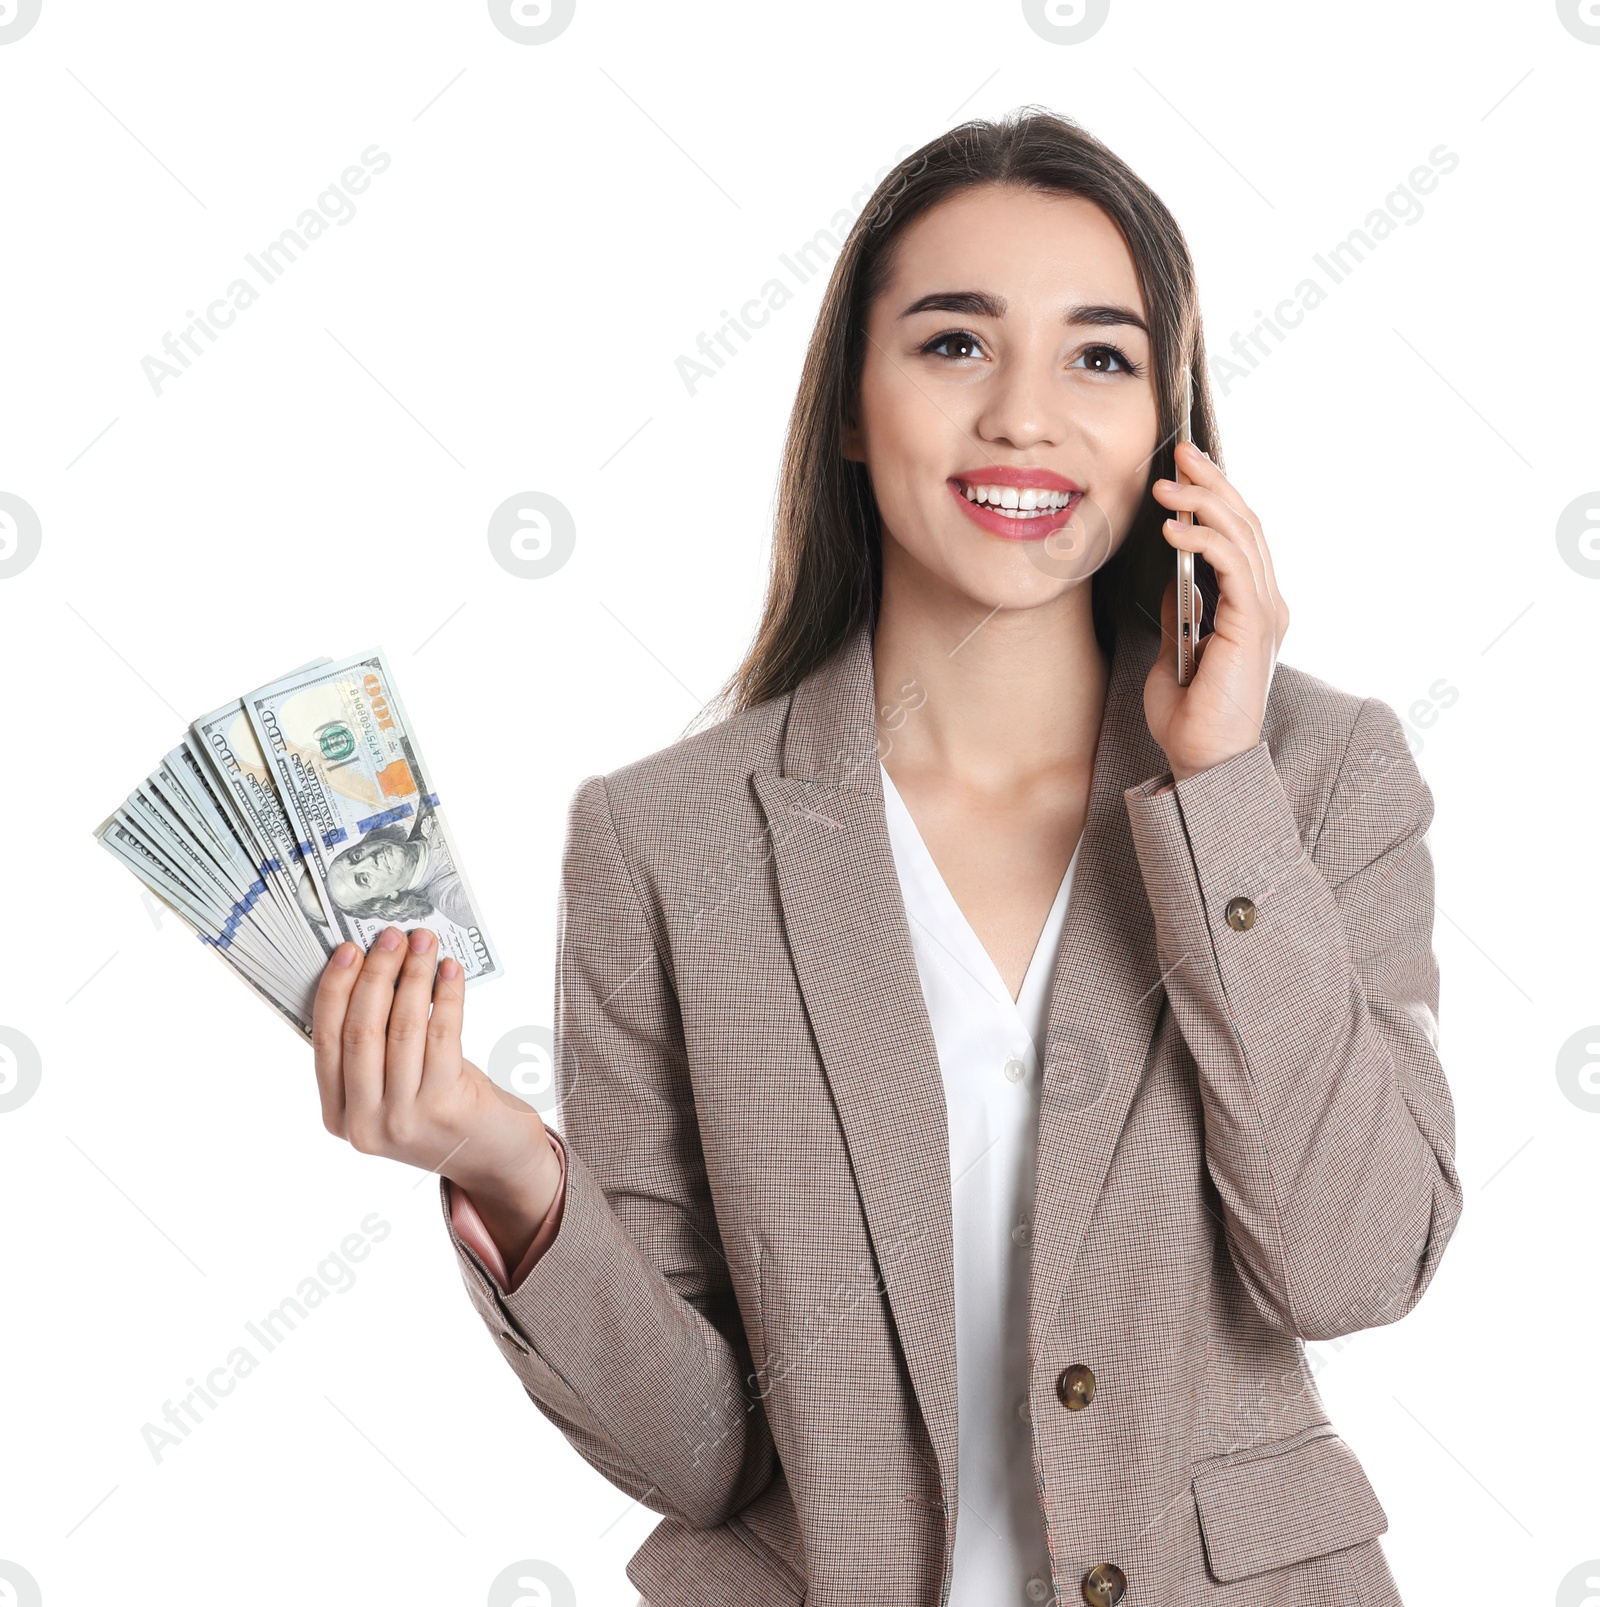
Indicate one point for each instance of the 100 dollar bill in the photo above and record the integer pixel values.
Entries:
(364, 809)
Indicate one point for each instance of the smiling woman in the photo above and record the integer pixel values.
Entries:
(984, 1062)
(1103, 300)
(956, 371)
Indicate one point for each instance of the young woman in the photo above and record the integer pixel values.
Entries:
(984, 1061)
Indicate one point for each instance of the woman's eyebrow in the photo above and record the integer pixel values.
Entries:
(1103, 314)
(980, 304)
(976, 303)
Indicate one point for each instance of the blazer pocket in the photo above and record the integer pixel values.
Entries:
(759, 1383)
(1284, 1507)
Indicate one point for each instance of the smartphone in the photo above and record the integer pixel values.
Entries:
(1197, 580)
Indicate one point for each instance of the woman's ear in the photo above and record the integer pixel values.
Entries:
(850, 441)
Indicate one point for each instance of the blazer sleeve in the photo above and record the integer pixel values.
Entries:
(1329, 1126)
(625, 1332)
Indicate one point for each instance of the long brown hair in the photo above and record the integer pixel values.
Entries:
(826, 569)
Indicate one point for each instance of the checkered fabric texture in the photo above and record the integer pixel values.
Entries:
(1246, 1141)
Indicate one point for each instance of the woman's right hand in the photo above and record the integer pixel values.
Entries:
(386, 1030)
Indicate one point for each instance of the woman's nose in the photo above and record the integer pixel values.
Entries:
(1022, 407)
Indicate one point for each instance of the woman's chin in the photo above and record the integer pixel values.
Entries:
(975, 570)
(1013, 584)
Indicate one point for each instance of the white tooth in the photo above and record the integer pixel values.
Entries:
(971, 493)
(1029, 498)
(988, 494)
(1008, 497)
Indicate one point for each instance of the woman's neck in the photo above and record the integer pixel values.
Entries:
(995, 699)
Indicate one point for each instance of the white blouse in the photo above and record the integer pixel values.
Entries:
(989, 1061)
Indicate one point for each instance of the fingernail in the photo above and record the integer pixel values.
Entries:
(390, 938)
(421, 940)
(344, 955)
(449, 970)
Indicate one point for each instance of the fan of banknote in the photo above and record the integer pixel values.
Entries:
(296, 817)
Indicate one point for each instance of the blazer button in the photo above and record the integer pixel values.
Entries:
(1075, 1387)
(1241, 914)
(1104, 1585)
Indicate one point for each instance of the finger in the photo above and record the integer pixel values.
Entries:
(1239, 586)
(327, 1030)
(408, 1019)
(1208, 507)
(366, 1031)
(1200, 469)
(1205, 508)
(443, 1057)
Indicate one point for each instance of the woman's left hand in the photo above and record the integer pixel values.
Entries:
(1219, 713)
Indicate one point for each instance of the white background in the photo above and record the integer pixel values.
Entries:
(558, 224)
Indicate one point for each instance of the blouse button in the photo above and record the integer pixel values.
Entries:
(1014, 1069)
(1021, 1233)
(1038, 1589)
(1024, 1411)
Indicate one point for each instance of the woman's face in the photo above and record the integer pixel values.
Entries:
(1007, 360)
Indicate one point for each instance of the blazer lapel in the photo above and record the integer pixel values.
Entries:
(845, 920)
(851, 946)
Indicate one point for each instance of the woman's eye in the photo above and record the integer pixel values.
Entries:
(1100, 358)
(964, 345)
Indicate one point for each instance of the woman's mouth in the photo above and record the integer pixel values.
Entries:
(1016, 512)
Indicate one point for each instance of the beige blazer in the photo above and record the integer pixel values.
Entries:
(746, 1320)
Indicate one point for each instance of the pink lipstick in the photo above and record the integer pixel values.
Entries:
(1016, 504)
